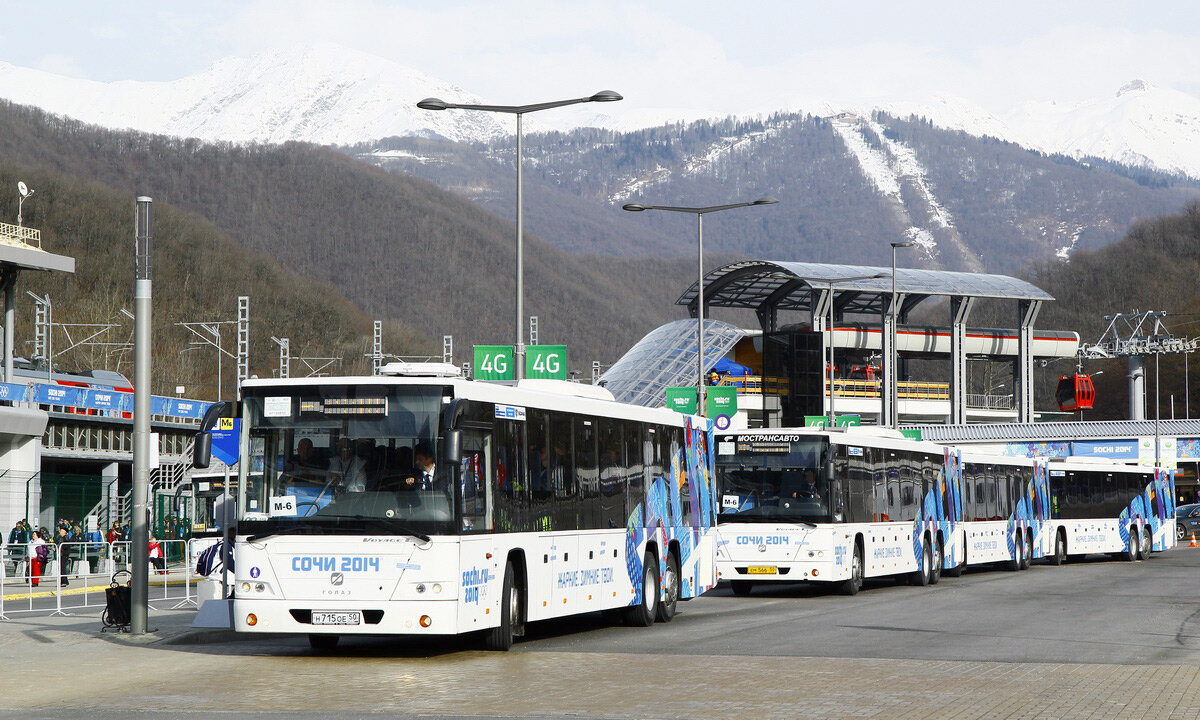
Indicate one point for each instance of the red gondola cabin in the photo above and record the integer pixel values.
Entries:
(1075, 392)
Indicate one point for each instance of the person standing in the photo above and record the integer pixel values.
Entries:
(65, 550)
(39, 554)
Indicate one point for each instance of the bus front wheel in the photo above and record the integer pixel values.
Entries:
(501, 638)
(852, 584)
(642, 614)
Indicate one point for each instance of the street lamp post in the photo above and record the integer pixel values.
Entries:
(829, 373)
(519, 111)
(699, 212)
(893, 419)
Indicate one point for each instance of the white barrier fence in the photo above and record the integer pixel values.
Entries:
(76, 574)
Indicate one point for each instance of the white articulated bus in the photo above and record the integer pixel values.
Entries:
(421, 503)
(812, 505)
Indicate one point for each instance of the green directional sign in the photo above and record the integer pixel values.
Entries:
(494, 362)
(720, 405)
(546, 362)
(911, 433)
(682, 399)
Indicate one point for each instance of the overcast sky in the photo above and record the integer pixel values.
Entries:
(727, 57)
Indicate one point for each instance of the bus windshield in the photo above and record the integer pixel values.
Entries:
(345, 459)
(768, 480)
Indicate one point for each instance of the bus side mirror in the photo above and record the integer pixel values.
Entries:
(453, 446)
(202, 450)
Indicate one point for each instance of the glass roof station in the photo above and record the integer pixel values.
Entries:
(794, 376)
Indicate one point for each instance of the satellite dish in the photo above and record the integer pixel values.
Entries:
(22, 188)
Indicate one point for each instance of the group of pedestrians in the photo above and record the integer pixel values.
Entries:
(43, 545)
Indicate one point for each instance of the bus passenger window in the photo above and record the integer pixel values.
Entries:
(475, 482)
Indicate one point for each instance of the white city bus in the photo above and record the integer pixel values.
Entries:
(817, 506)
(420, 503)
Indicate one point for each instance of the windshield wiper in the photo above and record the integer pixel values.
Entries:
(386, 524)
(302, 528)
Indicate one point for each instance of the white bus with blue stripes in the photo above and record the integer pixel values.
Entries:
(842, 506)
(421, 503)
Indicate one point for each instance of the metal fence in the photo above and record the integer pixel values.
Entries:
(76, 574)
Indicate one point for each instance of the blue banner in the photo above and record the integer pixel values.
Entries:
(56, 395)
(13, 393)
(188, 408)
(1112, 449)
(106, 399)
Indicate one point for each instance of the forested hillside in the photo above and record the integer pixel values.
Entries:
(198, 273)
(398, 248)
(1155, 267)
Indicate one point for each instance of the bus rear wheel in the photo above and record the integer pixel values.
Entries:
(921, 575)
(935, 567)
(642, 614)
(1028, 556)
(1147, 542)
(1132, 551)
(501, 638)
(740, 587)
(671, 583)
(1018, 559)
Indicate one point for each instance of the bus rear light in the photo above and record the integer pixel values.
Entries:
(814, 573)
(251, 619)
(489, 556)
(426, 621)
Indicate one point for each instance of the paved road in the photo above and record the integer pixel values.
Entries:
(1098, 639)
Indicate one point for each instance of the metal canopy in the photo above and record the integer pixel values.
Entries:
(756, 284)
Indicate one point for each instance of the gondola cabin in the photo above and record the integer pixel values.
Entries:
(1075, 392)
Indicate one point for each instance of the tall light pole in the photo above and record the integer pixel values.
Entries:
(893, 418)
(830, 282)
(519, 111)
(699, 212)
(139, 530)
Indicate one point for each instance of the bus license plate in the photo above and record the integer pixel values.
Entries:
(337, 618)
(761, 570)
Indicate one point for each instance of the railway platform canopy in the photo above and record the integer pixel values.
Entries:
(860, 301)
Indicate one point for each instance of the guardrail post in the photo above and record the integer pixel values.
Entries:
(187, 600)
(3, 574)
(58, 611)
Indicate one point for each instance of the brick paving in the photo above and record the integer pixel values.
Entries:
(281, 674)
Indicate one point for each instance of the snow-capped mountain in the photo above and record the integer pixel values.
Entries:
(323, 94)
(333, 95)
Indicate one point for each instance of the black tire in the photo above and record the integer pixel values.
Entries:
(939, 559)
(1060, 550)
(501, 638)
(670, 600)
(642, 614)
(852, 584)
(1028, 551)
(920, 576)
(1132, 552)
(1180, 533)
(741, 587)
(1147, 542)
(1018, 559)
(323, 642)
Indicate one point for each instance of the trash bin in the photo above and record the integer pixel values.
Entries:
(117, 603)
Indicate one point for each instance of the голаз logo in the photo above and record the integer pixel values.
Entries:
(336, 579)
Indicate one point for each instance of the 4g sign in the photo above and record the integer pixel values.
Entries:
(543, 362)
(494, 362)
(546, 362)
